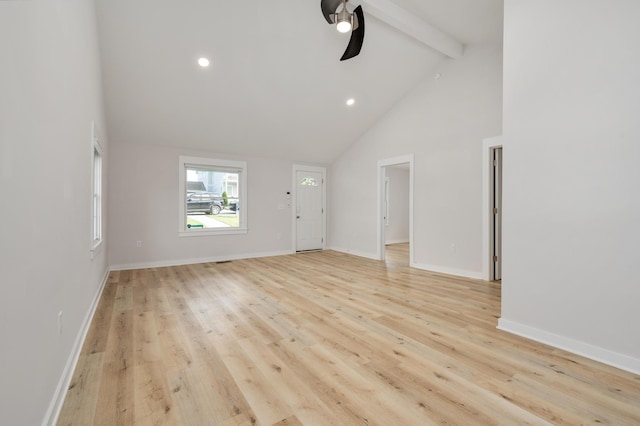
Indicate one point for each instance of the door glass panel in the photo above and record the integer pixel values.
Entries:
(308, 181)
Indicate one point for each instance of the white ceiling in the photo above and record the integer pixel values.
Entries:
(275, 87)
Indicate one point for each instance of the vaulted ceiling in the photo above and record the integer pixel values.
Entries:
(275, 87)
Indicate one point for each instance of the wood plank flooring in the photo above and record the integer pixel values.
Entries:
(325, 338)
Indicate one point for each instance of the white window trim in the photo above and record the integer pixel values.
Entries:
(96, 175)
(242, 187)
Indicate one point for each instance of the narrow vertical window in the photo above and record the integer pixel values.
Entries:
(96, 209)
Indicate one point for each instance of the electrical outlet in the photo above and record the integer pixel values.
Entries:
(453, 248)
(60, 323)
(139, 243)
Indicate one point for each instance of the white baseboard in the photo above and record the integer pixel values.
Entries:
(432, 268)
(596, 353)
(51, 418)
(356, 253)
(400, 241)
(179, 262)
(449, 271)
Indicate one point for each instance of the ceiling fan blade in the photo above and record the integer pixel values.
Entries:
(357, 36)
(329, 8)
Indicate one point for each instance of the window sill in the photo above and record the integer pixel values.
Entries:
(211, 232)
(96, 248)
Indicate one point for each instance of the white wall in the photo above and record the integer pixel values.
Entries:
(571, 176)
(50, 91)
(144, 206)
(442, 121)
(397, 230)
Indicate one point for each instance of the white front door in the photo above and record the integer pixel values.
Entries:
(309, 210)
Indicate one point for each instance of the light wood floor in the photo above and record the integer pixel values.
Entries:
(330, 339)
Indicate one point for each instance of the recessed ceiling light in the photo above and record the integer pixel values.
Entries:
(351, 101)
(203, 62)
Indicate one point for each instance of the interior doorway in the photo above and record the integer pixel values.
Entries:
(497, 215)
(492, 218)
(395, 218)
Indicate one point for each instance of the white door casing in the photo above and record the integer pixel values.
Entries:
(386, 201)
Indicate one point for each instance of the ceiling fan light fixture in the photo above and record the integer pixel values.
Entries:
(335, 12)
(343, 21)
(344, 26)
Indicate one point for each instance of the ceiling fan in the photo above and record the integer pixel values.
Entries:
(346, 21)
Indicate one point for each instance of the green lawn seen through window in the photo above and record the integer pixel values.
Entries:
(232, 220)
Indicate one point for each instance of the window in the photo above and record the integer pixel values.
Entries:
(202, 208)
(96, 202)
(308, 181)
